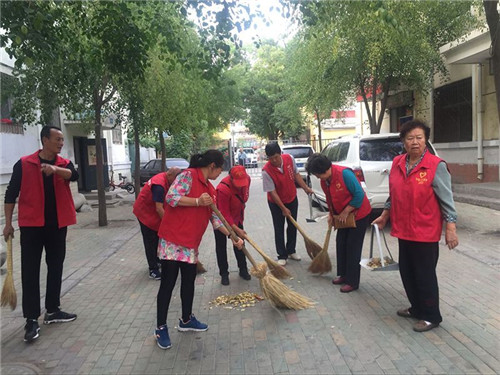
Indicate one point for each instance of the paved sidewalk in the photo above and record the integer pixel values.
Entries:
(106, 284)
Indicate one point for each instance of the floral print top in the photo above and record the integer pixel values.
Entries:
(168, 250)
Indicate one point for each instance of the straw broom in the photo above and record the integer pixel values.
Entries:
(200, 268)
(322, 263)
(277, 270)
(312, 247)
(9, 296)
(275, 291)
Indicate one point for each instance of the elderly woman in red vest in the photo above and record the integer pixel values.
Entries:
(186, 217)
(232, 195)
(344, 195)
(149, 210)
(420, 199)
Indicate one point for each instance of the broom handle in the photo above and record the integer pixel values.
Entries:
(232, 232)
(327, 238)
(10, 266)
(298, 227)
(256, 247)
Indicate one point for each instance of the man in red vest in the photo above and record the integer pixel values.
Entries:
(232, 195)
(279, 176)
(45, 210)
(149, 210)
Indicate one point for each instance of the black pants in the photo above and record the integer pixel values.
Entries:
(349, 249)
(221, 250)
(150, 240)
(170, 270)
(417, 267)
(279, 228)
(33, 240)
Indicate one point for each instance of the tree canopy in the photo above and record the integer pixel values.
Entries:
(371, 47)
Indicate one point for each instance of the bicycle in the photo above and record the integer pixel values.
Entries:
(122, 185)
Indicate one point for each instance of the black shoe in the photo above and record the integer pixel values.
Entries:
(224, 280)
(32, 328)
(245, 275)
(58, 317)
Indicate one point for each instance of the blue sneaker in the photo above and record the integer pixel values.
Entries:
(192, 325)
(162, 337)
(155, 274)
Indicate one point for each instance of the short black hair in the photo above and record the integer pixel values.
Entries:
(273, 149)
(46, 132)
(318, 164)
(413, 124)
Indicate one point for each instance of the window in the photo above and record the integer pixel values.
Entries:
(298, 152)
(117, 136)
(380, 149)
(149, 165)
(8, 124)
(453, 112)
(336, 151)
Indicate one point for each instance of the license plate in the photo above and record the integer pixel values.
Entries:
(300, 164)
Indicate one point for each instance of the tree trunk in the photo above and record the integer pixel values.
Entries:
(493, 19)
(162, 148)
(137, 168)
(320, 136)
(101, 195)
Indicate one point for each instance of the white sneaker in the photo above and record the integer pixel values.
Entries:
(295, 256)
(282, 262)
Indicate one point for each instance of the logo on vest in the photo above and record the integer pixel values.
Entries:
(421, 178)
(338, 186)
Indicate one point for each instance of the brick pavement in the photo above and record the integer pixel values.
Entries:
(106, 284)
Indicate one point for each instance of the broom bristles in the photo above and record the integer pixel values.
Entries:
(200, 268)
(9, 296)
(312, 248)
(321, 263)
(277, 293)
(279, 272)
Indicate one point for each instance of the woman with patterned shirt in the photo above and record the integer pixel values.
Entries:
(420, 199)
(186, 217)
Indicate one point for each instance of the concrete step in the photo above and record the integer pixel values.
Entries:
(110, 195)
(109, 203)
(484, 190)
(477, 200)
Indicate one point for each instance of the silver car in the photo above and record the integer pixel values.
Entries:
(370, 157)
(300, 153)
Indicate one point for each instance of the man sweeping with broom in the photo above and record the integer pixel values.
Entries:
(279, 176)
(46, 209)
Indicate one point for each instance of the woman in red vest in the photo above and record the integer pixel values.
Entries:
(232, 195)
(149, 210)
(344, 195)
(187, 213)
(420, 199)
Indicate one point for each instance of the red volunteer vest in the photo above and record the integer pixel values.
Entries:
(237, 200)
(145, 207)
(185, 225)
(32, 198)
(338, 196)
(284, 182)
(415, 211)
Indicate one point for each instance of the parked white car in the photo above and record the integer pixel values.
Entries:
(300, 153)
(251, 159)
(370, 157)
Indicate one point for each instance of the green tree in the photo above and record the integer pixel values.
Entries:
(80, 54)
(268, 96)
(378, 46)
